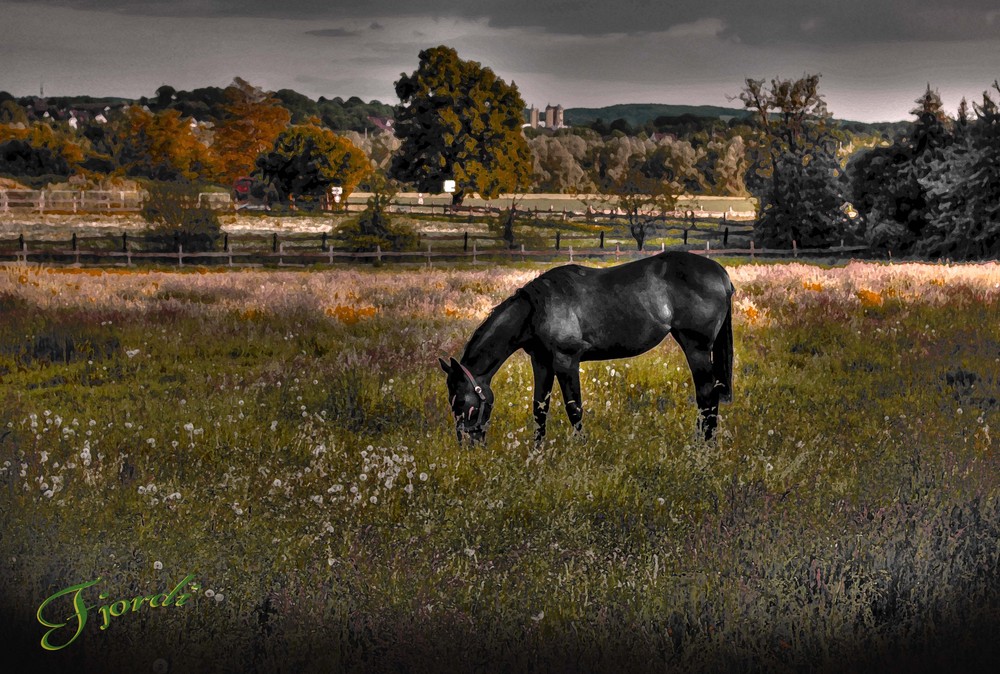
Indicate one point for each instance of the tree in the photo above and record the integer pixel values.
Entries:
(801, 196)
(162, 146)
(890, 184)
(252, 121)
(641, 198)
(307, 159)
(962, 188)
(458, 120)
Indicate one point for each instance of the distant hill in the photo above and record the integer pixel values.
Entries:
(638, 114)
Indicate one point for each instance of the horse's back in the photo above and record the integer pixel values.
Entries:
(626, 309)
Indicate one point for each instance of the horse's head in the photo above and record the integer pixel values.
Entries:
(471, 402)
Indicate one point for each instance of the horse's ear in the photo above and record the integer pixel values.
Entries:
(445, 366)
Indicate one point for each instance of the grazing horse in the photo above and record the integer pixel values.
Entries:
(572, 314)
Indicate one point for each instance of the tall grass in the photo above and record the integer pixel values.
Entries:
(285, 437)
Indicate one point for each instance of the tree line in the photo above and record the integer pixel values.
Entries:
(923, 188)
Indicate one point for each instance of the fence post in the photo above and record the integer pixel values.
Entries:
(751, 250)
(617, 252)
(522, 252)
(685, 236)
(322, 245)
(274, 243)
(124, 242)
(465, 245)
(180, 255)
(795, 248)
(557, 240)
(73, 243)
(571, 253)
(3, 200)
(41, 201)
(378, 252)
(602, 239)
(24, 248)
(474, 260)
(225, 243)
(707, 246)
(725, 237)
(428, 255)
(281, 252)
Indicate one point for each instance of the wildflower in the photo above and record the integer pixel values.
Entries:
(423, 477)
(276, 484)
(374, 499)
(157, 565)
(210, 593)
(219, 597)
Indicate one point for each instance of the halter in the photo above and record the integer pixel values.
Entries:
(479, 392)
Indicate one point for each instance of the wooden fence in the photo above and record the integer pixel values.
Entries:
(302, 250)
(125, 201)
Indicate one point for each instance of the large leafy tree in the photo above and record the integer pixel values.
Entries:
(801, 191)
(252, 121)
(307, 159)
(458, 120)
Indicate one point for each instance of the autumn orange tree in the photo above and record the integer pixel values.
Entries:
(252, 121)
(307, 159)
(162, 146)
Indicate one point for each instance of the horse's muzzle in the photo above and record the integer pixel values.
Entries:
(475, 436)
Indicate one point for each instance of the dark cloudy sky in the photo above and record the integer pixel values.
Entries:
(875, 56)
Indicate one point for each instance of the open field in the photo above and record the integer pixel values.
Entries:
(284, 438)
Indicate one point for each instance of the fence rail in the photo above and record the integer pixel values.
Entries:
(130, 201)
(278, 254)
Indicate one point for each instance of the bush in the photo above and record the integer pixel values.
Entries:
(178, 218)
(373, 227)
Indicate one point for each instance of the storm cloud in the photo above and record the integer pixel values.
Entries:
(875, 56)
(750, 21)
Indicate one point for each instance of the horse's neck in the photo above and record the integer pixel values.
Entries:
(501, 334)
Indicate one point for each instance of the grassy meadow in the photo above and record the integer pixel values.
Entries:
(284, 437)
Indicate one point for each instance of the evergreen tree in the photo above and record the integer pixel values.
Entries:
(963, 189)
(893, 184)
(458, 120)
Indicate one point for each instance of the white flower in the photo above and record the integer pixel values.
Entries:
(423, 477)
(210, 593)
(276, 484)
(157, 565)
(220, 597)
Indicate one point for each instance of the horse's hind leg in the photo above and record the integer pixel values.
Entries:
(569, 381)
(699, 358)
(544, 374)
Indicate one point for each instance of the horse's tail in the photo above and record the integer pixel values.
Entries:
(722, 356)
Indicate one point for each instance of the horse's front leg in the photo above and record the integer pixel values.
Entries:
(544, 375)
(569, 382)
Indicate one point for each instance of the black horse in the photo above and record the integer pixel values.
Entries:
(572, 314)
